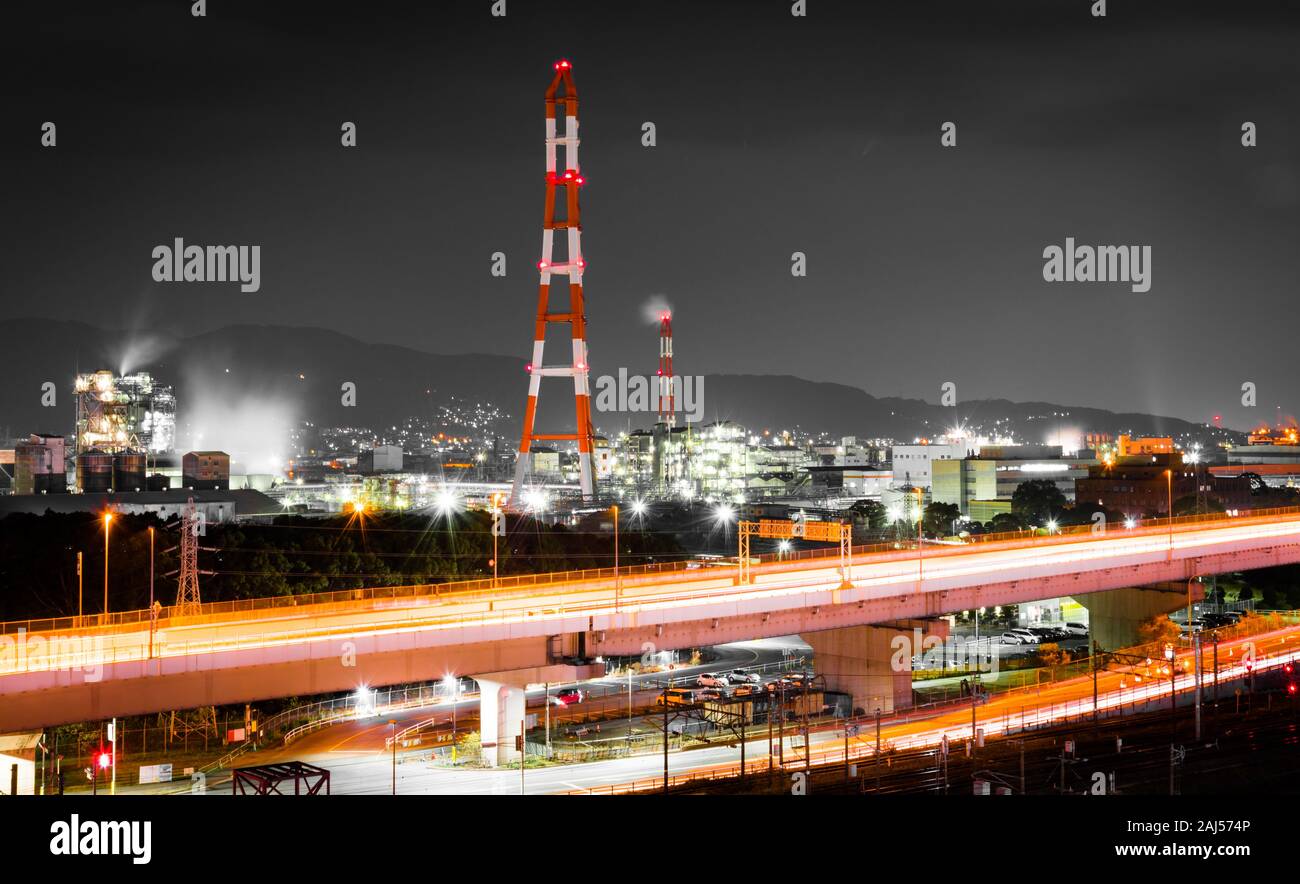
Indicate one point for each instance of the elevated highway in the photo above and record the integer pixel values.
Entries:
(62, 671)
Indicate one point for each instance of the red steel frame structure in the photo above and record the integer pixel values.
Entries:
(571, 180)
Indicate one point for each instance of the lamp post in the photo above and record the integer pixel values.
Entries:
(617, 583)
(392, 726)
(78, 588)
(453, 685)
(108, 520)
(1173, 675)
(920, 538)
(153, 615)
(1169, 485)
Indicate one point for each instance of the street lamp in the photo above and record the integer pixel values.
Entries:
(392, 726)
(108, 520)
(1169, 484)
(617, 583)
(153, 613)
(1173, 676)
(452, 684)
(920, 538)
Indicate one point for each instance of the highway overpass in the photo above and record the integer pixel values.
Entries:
(55, 672)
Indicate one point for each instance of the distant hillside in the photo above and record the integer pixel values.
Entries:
(245, 372)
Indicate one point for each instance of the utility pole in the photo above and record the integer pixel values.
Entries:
(153, 615)
(618, 596)
(780, 726)
(112, 736)
(1022, 765)
(807, 744)
(920, 538)
(1196, 662)
(1215, 636)
(108, 520)
(663, 697)
(392, 726)
(1095, 648)
(78, 587)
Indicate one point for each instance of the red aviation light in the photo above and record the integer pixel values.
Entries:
(563, 65)
(579, 181)
(542, 265)
(582, 263)
(529, 368)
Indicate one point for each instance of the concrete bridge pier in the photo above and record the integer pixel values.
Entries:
(873, 663)
(1115, 615)
(503, 707)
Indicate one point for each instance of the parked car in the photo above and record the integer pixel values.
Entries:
(1076, 629)
(711, 680)
(1012, 638)
(740, 676)
(746, 690)
(568, 697)
(1028, 637)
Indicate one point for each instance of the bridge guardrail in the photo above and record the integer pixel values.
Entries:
(681, 568)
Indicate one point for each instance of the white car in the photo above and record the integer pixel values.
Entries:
(1010, 638)
(711, 680)
(1028, 637)
(1076, 628)
(740, 676)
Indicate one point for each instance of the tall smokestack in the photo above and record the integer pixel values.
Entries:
(667, 390)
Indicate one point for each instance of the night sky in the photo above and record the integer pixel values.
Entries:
(775, 134)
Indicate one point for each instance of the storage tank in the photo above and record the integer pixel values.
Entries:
(129, 471)
(94, 471)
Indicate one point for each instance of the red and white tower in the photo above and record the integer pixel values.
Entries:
(667, 386)
(570, 178)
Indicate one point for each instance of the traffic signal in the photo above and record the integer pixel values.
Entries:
(104, 760)
(1291, 688)
(1288, 667)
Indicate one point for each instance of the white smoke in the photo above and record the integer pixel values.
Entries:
(252, 426)
(140, 350)
(654, 308)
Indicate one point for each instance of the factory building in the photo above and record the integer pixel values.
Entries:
(205, 470)
(913, 464)
(1143, 485)
(39, 466)
(998, 470)
(120, 422)
(380, 459)
(217, 506)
